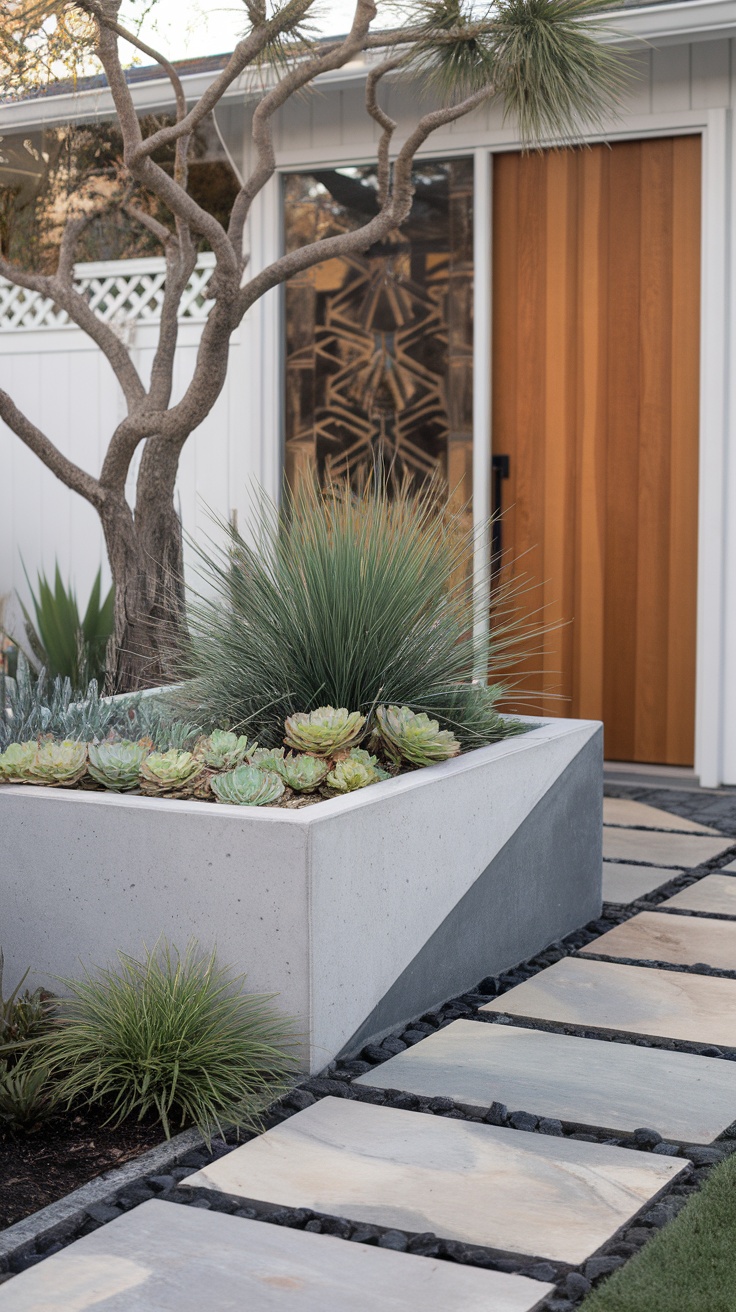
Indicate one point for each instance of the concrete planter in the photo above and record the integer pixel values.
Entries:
(360, 912)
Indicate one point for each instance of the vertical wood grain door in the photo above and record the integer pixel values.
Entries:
(596, 289)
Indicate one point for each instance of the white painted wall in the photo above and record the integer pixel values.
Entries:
(680, 85)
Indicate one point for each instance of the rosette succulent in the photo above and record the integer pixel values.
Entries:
(304, 773)
(350, 774)
(16, 762)
(412, 737)
(58, 765)
(222, 750)
(117, 765)
(324, 732)
(360, 754)
(247, 785)
(170, 774)
(267, 758)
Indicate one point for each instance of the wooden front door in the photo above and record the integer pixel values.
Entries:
(596, 285)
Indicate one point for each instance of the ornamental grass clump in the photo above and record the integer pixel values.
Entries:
(347, 599)
(172, 1035)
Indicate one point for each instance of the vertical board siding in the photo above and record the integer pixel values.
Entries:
(595, 400)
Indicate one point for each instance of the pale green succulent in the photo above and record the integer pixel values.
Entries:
(247, 785)
(170, 774)
(16, 762)
(58, 765)
(412, 737)
(304, 773)
(222, 750)
(360, 754)
(267, 758)
(324, 732)
(117, 765)
(350, 774)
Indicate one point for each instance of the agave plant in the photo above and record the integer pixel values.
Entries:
(222, 750)
(117, 765)
(411, 736)
(247, 785)
(58, 765)
(304, 773)
(324, 732)
(170, 774)
(349, 774)
(267, 758)
(16, 762)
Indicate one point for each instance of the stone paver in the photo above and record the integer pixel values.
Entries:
(731, 866)
(165, 1258)
(714, 893)
(524, 1193)
(635, 999)
(683, 850)
(682, 940)
(625, 883)
(614, 1086)
(623, 811)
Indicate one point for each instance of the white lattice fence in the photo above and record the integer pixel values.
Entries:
(121, 292)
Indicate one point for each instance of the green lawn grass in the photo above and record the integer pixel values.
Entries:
(690, 1266)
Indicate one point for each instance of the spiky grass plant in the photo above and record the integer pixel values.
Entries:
(344, 599)
(543, 59)
(171, 1034)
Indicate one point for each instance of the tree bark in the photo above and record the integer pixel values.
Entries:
(146, 562)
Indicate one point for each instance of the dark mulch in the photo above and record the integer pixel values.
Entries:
(65, 1152)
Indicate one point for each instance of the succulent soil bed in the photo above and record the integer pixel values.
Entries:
(64, 1153)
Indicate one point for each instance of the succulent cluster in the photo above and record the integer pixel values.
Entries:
(248, 785)
(325, 732)
(411, 738)
(325, 759)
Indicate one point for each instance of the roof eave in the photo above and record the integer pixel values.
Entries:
(654, 24)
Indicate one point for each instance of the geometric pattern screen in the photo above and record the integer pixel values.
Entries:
(379, 346)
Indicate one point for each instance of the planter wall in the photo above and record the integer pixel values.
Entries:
(360, 912)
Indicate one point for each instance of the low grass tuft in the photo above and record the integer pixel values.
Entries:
(690, 1266)
(171, 1034)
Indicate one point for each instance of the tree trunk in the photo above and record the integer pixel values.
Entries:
(146, 561)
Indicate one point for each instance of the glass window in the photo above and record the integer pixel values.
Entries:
(45, 171)
(379, 346)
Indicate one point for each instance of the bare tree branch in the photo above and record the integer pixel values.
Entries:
(334, 57)
(72, 475)
(63, 294)
(387, 125)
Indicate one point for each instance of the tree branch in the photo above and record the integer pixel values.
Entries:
(392, 214)
(62, 293)
(334, 57)
(75, 478)
(245, 52)
(387, 125)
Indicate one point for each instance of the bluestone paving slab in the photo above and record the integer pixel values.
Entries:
(608, 995)
(623, 811)
(524, 1193)
(614, 1086)
(683, 850)
(164, 1258)
(714, 893)
(682, 940)
(625, 883)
